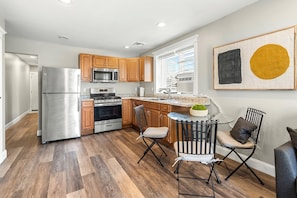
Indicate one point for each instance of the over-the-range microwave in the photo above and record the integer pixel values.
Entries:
(105, 75)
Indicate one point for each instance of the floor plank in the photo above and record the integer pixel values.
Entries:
(11, 156)
(105, 165)
(128, 188)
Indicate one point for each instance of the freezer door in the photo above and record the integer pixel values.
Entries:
(60, 116)
(60, 80)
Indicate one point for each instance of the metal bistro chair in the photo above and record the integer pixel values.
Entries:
(244, 135)
(196, 142)
(153, 133)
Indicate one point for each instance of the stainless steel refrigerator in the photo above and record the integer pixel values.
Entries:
(60, 103)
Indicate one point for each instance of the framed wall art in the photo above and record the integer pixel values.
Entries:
(263, 62)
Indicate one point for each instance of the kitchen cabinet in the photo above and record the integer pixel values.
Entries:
(146, 69)
(130, 69)
(87, 117)
(133, 69)
(156, 115)
(123, 70)
(126, 112)
(85, 65)
(171, 137)
(164, 110)
(134, 104)
(105, 62)
(152, 111)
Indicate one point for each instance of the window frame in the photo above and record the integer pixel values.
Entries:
(180, 45)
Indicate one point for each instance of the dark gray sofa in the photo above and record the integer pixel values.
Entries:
(286, 171)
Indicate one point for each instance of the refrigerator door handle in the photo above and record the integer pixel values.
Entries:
(78, 92)
(78, 102)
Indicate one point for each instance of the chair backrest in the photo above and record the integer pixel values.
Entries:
(255, 116)
(140, 118)
(198, 138)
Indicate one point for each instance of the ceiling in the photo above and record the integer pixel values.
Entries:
(110, 25)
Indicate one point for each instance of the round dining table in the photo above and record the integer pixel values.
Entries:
(220, 117)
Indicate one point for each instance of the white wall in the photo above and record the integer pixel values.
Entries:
(259, 18)
(280, 106)
(3, 152)
(17, 87)
(55, 55)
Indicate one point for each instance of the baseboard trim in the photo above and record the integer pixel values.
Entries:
(252, 162)
(3, 156)
(16, 119)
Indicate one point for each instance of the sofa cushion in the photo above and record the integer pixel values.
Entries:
(242, 130)
(293, 135)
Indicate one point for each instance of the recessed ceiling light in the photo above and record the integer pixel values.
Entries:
(126, 46)
(65, 1)
(161, 24)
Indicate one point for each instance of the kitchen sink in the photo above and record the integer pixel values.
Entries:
(171, 100)
(157, 99)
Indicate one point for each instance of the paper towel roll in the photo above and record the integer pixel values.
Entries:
(141, 91)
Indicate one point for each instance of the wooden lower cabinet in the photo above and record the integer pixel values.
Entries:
(157, 116)
(171, 137)
(153, 117)
(87, 117)
(126, 113)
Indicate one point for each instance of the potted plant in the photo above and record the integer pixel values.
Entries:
(198, 110)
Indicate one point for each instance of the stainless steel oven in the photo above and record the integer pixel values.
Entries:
(107, 109)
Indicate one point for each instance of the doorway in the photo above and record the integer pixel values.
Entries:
(34, 91)
(18, 68)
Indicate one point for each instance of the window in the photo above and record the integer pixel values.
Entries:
(176, 68)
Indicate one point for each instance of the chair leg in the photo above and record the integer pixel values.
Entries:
(216, 174)
(161, 148)
(226, 156)
(208, 180)
(244, 162)
(149, 148)
(146, 151)
(177, 167)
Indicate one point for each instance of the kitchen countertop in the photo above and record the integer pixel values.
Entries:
(174, 101)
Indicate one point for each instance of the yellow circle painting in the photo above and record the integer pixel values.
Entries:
(270, 61)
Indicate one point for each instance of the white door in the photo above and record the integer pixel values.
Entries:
(34, 91)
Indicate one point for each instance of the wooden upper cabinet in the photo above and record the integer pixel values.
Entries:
(123, 70)
(133, 69)
(105, 62)
(85, 65)
(130, 69)
(146, 69)
(113, 62)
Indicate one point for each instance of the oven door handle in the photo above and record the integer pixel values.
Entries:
(107, 104)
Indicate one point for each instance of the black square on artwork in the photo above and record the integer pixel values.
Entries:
(229, 67)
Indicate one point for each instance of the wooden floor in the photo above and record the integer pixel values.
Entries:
(104, 165)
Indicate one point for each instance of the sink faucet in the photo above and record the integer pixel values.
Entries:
(168, 91)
